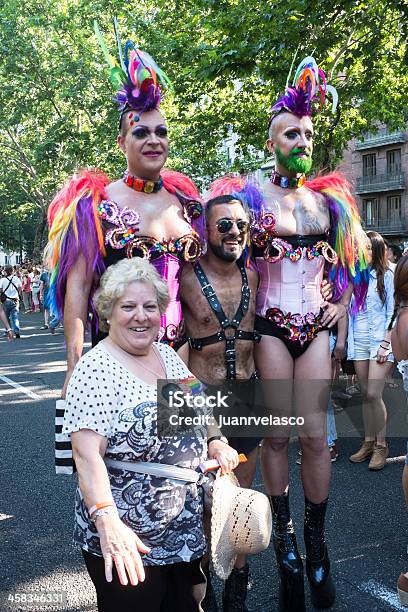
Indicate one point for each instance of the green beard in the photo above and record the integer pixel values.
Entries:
(292, 163)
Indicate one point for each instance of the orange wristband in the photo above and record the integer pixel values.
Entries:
(100, 506)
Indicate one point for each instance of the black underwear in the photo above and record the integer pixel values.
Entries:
(266, 327)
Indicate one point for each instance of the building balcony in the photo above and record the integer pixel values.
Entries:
(382, 138)
(380, 182)
(387, 227)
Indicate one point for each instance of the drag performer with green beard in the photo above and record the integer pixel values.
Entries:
(303, 230)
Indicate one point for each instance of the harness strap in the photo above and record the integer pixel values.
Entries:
(198, 343)
(225, 323)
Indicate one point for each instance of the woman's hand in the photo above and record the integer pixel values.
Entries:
(226, 456)
(122, 547)
(382, 354)
(332, 313)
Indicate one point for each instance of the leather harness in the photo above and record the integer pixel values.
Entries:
(225, 323)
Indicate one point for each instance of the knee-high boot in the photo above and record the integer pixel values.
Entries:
(290, 566)
(235, 590)
(323, 592)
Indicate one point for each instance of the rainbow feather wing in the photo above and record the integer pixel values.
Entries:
(348, 237)
(75, 229)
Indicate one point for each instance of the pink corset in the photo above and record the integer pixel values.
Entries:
(291, 274)
(291, 286)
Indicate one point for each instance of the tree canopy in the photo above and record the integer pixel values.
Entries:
(227, 59)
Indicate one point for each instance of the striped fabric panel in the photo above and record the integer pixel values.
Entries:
(64, 463)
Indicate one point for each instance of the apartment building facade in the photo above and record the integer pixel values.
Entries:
(377, 167)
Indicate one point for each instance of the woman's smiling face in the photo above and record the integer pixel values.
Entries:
(135, 319)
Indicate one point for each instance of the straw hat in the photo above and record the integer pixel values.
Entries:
(241, 523)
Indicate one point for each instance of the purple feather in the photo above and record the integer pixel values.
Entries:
(294, 100)
(86, 245)
(148, 97)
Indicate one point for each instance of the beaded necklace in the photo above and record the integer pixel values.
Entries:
(287, 182)
(139, 184)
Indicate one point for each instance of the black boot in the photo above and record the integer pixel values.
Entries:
(322, 588)
(235, 590)
(209, 603)
(290, 566)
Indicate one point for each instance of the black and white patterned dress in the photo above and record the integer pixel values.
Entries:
(166, 514)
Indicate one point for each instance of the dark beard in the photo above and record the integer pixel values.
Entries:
(219, 252)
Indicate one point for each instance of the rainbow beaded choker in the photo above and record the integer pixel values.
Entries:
(287, 182)
(139, 184)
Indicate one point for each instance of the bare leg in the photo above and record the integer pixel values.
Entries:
(362, 368)
(312, 389)
(377, 374)
(275, 364)
(372, 377)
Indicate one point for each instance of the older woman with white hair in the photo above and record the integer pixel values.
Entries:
(123, 513)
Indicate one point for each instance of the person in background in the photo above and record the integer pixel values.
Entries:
(141, 535)
(10, 287)
(45, 298)
(369, 347)
(3, 319)
(399, 340)
(26, 289)
(394, 254)
(35, 290)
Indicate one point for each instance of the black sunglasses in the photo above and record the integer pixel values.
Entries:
(224, 225)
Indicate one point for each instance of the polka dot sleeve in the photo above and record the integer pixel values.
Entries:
(91, 395)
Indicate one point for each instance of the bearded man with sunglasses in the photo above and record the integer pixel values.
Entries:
(148, 213)
(218, 300)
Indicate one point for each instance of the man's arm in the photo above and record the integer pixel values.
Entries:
(79, 283)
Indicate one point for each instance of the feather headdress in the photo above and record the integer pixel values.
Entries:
(309, 85)
(137, 77)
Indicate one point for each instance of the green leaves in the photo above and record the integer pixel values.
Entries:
(227, 60)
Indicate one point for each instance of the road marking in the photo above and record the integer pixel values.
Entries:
(4, 517)
(20, 388)
(379, 591)
(349, 558)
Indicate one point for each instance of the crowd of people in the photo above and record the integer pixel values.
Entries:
(26, 286)
(247, 284)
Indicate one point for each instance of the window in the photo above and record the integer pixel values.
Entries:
(394, 161)
(370, 212)
(369, 168)
(229, 155)
(394, 208)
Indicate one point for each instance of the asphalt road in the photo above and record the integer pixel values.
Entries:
(366, 517)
